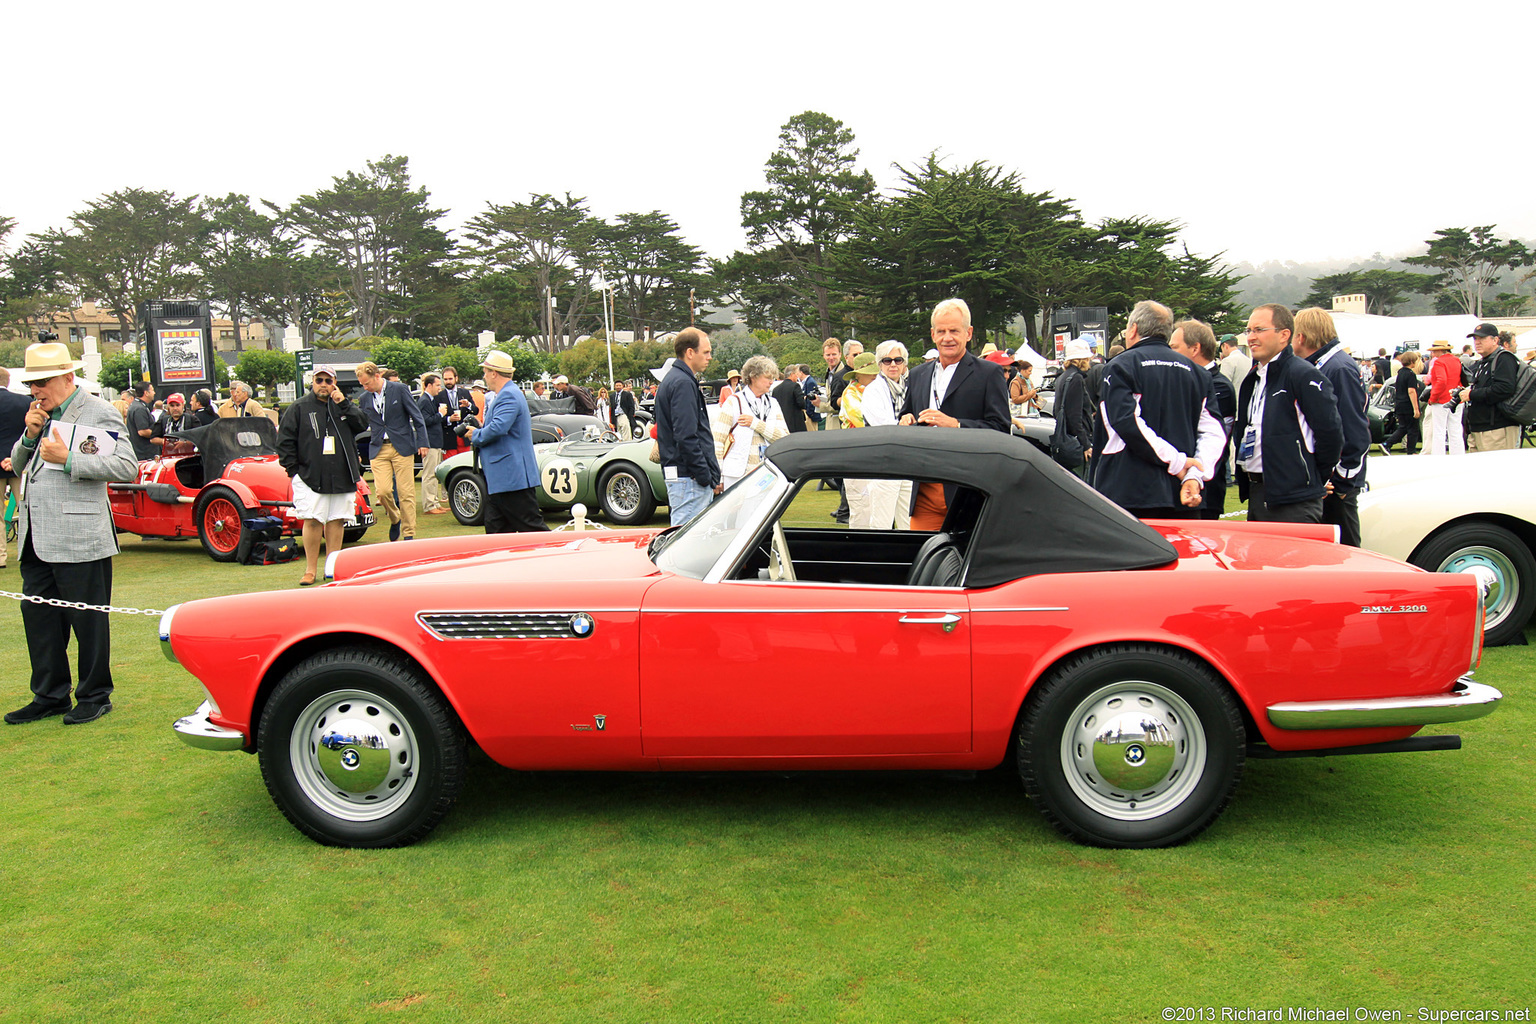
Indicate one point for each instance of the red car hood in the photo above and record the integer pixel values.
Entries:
(507, 558)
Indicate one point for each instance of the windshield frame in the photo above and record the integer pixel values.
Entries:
(766, 502)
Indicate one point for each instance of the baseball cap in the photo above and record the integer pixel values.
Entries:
(1484, 331)
(174, 398)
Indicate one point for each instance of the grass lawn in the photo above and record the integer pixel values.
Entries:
(141, 880)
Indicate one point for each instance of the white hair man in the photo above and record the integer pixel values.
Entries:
(955, 390)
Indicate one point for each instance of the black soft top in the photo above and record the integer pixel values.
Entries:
(230, 438)
(1038, 517)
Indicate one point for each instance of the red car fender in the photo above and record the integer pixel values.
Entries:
(245, 494)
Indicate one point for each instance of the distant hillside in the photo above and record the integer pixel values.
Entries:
(1283, 281)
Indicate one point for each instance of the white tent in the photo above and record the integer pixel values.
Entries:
(1365, 334)
(1031, 357)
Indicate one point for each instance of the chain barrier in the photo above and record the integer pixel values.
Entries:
(58, 602)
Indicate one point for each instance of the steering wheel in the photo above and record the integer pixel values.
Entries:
(779, 565)
(609, 436)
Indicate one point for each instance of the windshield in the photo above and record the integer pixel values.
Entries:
(698, 544)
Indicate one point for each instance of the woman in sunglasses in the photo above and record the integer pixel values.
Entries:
(882, 398)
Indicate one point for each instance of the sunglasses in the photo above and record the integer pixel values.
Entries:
(893, 360)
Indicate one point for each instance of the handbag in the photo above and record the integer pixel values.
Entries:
(1066, 449)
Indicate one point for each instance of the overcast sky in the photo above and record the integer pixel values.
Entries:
(1304, 131)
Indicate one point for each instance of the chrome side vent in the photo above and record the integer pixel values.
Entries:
(508, 625)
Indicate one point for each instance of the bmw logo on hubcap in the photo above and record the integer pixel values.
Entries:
(581, 624)
(349, 759)
(1135, 754)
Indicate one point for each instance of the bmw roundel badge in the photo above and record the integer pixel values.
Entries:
(582, 624)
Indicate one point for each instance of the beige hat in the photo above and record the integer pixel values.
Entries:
(1441, 346)
(988, 349)
(500, 362)
(46, 359)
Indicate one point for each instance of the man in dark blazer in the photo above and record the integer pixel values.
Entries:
(399, 435)
(954, 390)
(791, 398)
(433, 403)
(461, 402)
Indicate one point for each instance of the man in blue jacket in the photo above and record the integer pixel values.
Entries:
(1316, 340)
(1160, 435)
(398, 437)
(683, 434)
(1288, 431)
(505, 444)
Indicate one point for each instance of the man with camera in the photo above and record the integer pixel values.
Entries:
(507, 459)
(1493, 381)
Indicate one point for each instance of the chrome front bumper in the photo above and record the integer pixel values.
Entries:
(1466, 701)
(196, 731)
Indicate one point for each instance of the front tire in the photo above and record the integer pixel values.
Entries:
(625, 494)
(357, 750)
(466, 497)
(1513, 598)
(220, 518)
(1131, 747)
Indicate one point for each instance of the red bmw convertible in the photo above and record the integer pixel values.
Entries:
(1126, 669)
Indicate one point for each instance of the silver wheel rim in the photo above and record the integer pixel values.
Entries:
(354, 755)
(1506, 586)
(466, 498)
(622, 494)
(1133, 750)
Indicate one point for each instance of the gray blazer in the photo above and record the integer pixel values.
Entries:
(72, 509)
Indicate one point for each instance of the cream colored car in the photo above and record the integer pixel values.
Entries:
(1457, 514)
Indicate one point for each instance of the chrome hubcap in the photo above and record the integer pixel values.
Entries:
(354, 755)
(1133, 750)
(1494, 568)
(466, 498)
(623, 494)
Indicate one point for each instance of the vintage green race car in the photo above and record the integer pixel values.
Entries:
(616, 477)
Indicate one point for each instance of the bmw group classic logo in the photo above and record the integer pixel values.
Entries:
(582, 625)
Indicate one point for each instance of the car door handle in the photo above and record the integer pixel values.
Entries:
(947, 620)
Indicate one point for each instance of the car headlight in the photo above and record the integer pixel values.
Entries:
(165, 633)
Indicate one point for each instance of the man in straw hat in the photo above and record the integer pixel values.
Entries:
(505, 444)
(64, 533)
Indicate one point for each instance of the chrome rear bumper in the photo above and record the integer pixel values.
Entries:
(1467, 700)
(196, 731)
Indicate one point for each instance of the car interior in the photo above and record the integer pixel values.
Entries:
(802, 546)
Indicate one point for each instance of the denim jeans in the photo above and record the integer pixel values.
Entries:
(686, 499)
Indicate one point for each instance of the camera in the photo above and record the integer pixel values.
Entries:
(1455, 402)
(462, 427)
(47, 335)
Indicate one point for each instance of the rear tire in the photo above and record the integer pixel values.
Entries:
(358, 750)
(625, 494)
(1131, 746)
(466, 497)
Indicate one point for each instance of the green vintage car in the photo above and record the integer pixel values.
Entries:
(607, 474)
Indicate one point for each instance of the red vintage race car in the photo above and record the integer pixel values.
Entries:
(209, 481)
(1126, 669)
